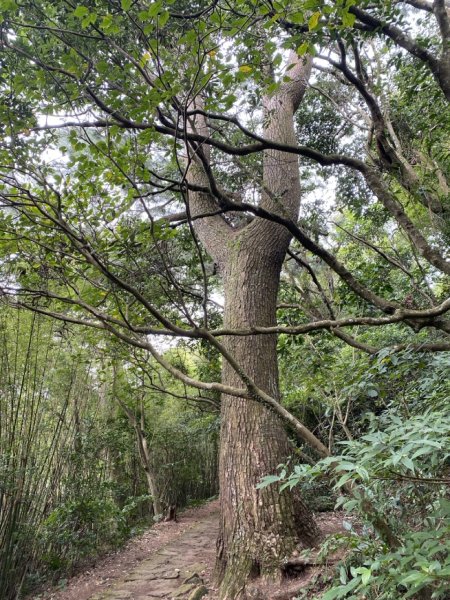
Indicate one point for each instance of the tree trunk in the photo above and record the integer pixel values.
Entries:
(259, 528)
(150, 475)
(143, 450)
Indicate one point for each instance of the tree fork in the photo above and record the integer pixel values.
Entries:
(259, 528)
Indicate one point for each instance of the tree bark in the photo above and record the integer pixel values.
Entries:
(144, 452)
(259, 528)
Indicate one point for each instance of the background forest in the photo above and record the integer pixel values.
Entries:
(92, 449)
(224, 260)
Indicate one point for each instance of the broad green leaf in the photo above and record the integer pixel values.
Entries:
(408, 463)
(297, 18)
(266, 481)
(154, 8)
(348, 19)
(314, 20)
(303, 48)
(81, 11)
(365, 575)
(6, 5)
(163, 18)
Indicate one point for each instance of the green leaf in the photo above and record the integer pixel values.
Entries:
(348, 19)
(154, 9)
(266, 481)
(314, 20)
(346, 466)
(303, 49)
(331, 594)
(408, 463)
(7, 5)
(189, 37)
(106, 22)
(163, 18)
(90, 19)
(342, 480)
(365, 574)
(297, 18)
(125, 4)
(80, 12)
(414, 577)
(350, 505)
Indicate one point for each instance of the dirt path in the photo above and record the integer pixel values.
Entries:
(171, 560)
(175, 571)
(174, 561)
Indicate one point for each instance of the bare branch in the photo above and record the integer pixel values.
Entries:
(399, 316)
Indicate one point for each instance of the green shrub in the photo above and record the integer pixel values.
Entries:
(80, 528)
(399, 467)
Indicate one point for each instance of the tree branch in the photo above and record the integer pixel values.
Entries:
(403, 40)
(399, 316)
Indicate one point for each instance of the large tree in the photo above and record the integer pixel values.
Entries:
(191, 118)
(258, 527)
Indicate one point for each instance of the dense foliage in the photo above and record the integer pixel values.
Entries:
(71, 481)
(142, 145)
(389, 432)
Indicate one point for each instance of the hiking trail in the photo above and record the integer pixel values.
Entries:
(175, 561)
(170, 560)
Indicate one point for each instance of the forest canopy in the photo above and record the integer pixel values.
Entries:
(245, 206)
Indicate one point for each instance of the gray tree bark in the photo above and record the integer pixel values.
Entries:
(259, 528)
